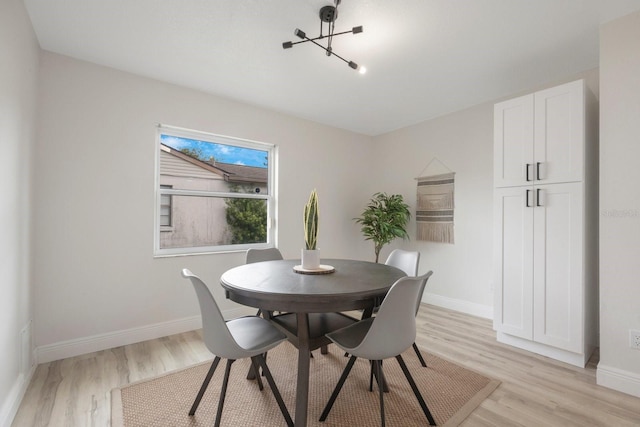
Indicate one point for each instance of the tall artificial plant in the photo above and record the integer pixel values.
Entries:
(384, 219)
(311, 221)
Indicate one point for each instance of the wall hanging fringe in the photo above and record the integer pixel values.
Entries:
(434, 208)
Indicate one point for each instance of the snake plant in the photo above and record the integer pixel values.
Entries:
(311, 221)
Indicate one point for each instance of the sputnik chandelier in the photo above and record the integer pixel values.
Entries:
(328, 16)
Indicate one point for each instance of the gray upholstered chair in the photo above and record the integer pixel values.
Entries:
(408, 262)
(236, 339)
(258, 255)
(386, 335)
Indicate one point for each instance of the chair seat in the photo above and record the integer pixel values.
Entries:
(351, 336)
(255, 334)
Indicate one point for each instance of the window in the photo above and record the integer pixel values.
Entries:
(213, 193)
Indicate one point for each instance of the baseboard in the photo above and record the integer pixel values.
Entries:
(76, 347)
(479, 310)
(617, 379)
(576, 359)
(11, 404)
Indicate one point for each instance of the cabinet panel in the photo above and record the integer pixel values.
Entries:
(558, 281)
(514, 256)
(559, 134)
(513, 141)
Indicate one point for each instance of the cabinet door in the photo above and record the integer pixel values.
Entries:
(513, 261)
(513, 142)
(557, 271)
(559, 134)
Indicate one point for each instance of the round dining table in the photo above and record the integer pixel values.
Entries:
(312, 302)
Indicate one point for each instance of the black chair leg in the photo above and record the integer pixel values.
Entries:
(417, 350)
(204, 386)
(414, 387)
(223, 392)
(380, 376)
(336, 391)
(371, 376)
(267, 373)
(385, 386)
(256, 370)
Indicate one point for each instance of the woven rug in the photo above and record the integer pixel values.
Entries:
(450, 391)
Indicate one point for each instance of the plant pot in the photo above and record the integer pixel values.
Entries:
(310, 259)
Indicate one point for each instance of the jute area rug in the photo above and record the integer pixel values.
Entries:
(451, 392)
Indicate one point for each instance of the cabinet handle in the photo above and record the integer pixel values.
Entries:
(527, 171)
(538, 171)
(538, 197)
(527, 199)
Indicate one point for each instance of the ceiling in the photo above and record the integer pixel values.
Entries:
(424, 58)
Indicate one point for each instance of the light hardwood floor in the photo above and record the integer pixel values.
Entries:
(535, 391)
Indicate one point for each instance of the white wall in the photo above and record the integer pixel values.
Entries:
(18, 86)
(96, 281)
(461, 142)
(619, 365)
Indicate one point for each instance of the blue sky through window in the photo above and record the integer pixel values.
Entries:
(221, 152)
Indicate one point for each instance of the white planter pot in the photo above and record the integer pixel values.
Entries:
(310, 259)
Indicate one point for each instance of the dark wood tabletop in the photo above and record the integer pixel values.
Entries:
(310, 299)
(275, 286)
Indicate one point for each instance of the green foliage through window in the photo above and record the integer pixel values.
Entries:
(247, 220)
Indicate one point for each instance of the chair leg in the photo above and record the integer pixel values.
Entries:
(223, 392)
(373, 373)
(204, 386)
(414, 387)
(276, 393)
(380, 376)
(256, 370)
(336, 391)
(417, 350)
(371, 376)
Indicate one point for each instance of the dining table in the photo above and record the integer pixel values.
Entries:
(310, 302)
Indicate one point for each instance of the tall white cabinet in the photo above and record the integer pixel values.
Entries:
(546, 222)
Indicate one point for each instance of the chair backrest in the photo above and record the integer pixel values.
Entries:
(258, 255)
(394, 327)
(406, 261)
(216, 335)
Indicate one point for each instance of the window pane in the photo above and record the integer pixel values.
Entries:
(189, 164)
(215, 221)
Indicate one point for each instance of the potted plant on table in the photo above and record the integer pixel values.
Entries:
(384, 219)
(311, 255)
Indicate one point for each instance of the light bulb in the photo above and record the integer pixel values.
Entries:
(362, 69)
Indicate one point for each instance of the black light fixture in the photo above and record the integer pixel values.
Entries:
(328, 15)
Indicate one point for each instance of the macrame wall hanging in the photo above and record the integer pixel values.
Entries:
(434, 205)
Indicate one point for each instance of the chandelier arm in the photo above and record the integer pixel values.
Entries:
(332, 26)
(328, 51)
(320, 37)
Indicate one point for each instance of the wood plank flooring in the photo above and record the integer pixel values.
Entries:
(535, 391)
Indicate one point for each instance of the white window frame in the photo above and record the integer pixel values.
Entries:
(270, 198)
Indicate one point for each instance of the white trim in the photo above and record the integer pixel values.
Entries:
(78, 346)
(11, 404)
(484, 311)
(618, 379)
(576, 359)
(270, 197)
